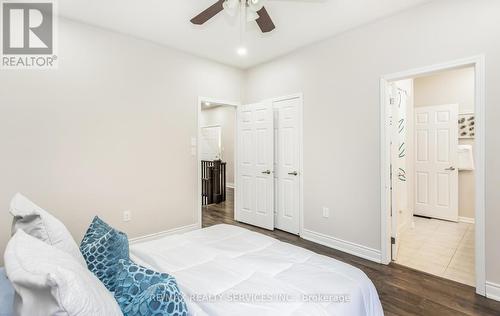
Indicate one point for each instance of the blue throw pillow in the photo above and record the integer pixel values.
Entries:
(102, 247)
(144, 292)
(6, 295)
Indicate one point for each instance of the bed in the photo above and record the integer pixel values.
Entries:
(229, 270)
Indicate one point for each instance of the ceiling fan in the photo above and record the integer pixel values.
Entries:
(255, 11)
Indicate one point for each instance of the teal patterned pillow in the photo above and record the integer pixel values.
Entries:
(144, 292)
(102, 247)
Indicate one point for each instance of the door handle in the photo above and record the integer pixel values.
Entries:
(266, 172)
(295, 173)
(450, 168)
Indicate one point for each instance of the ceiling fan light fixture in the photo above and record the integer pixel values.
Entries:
(251, 10)
(252, 16)
(230, 4)
(255, 5)
(230, 7)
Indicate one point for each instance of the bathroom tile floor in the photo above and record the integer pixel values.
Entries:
(438, 247)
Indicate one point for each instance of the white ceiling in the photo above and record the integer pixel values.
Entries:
(298, 23)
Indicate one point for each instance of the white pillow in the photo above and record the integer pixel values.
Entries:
(41, 225)
(49, 281)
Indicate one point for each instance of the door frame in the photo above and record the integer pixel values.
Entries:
(300, 112)
(198, 213)
(478, 62)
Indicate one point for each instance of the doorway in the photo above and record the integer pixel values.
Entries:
(216, 157)
(433, 170)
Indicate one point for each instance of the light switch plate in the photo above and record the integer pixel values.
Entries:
(193, 141)
(127, 216)
(326, 212)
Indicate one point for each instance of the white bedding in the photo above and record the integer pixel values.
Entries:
(229, 270)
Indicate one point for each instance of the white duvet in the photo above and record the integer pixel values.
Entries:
(229, 270)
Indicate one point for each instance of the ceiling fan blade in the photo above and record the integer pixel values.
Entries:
(208, 13)
(264, 21)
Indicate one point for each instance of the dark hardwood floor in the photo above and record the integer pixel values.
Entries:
(402, 291)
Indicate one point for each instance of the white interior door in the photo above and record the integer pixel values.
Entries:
(286, 165)
(400, 101)
(436, 175)
(392, 103)
(255, 193)
(210, 143)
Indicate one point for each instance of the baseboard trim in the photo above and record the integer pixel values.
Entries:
(468, 220)
(230, 185)
(342, 245)
(493, 291)
(173, 231)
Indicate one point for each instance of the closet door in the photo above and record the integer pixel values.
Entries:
(287, 164)
(254, 192)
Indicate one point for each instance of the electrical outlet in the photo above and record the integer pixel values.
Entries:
(127, 216)
(326, 212)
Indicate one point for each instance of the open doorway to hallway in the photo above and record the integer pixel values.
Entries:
(432, 173)
(217, 134)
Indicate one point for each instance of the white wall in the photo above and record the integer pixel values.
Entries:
(340, 81)
(108, 131)
(225, 117)
(450, 87)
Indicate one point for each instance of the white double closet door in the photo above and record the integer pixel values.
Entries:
(268, 190)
